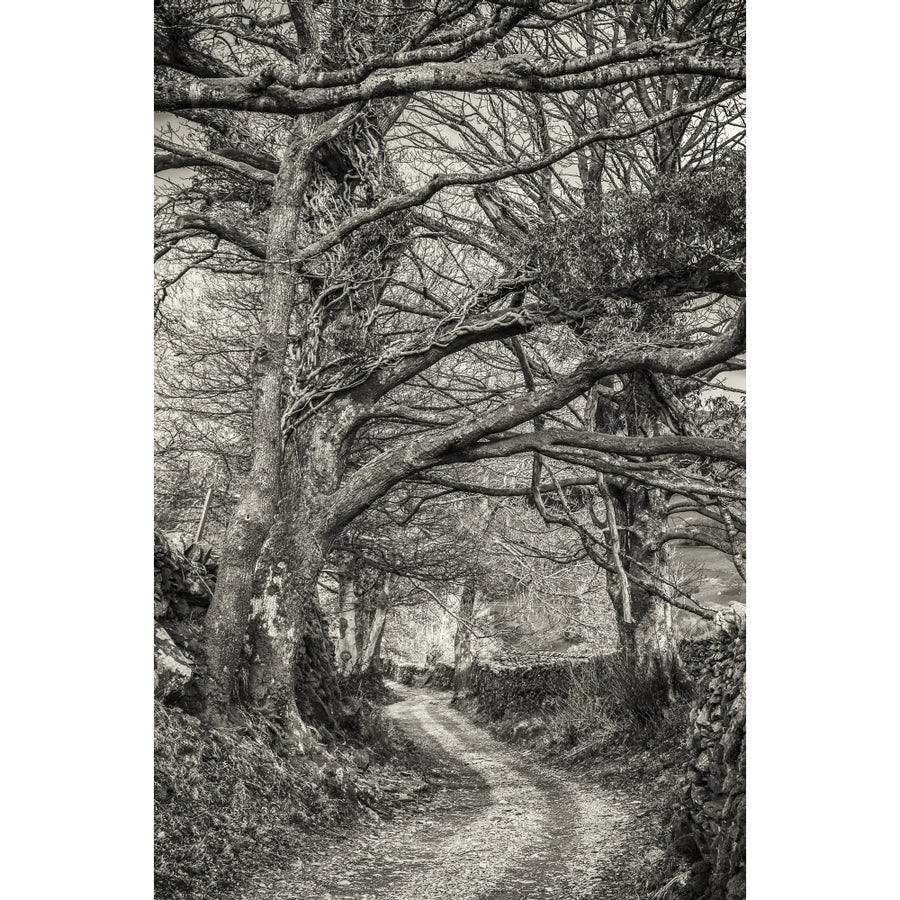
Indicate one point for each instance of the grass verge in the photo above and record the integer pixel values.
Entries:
(619, 729)
(229, 803)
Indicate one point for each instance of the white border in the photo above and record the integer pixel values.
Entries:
(78, 358)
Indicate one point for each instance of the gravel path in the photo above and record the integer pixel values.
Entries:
(503, 827)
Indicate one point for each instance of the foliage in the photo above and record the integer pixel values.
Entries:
(225, 803)
(687, 220)
(365, 688)
(611, 705)
(231, 802)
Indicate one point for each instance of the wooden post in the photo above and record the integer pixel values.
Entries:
(203, 516)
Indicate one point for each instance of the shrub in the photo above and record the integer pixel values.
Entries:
(366, 725)
(609, 704)
(367, 687)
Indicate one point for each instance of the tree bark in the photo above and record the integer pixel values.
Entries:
(347, 648)
(226, 620)
(372, 646)
(462, 645)
(285, 588)
(289, 568)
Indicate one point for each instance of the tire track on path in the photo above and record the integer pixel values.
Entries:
(586, 829)
(510, 829)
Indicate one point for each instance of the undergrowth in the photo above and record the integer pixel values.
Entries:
(224, 801)
(366, 725)
(612, 706)
(366, 688)
(231, 802)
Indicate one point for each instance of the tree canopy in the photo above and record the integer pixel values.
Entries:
(461, 247)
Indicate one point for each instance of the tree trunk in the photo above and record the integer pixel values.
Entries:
(646, 631)
(372, 647)
(649, 642)
(462, 645)
(285, 589)
(228, 614)
(285, 596)
(347, 607)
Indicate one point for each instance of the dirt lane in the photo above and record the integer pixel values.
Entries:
(508, 829)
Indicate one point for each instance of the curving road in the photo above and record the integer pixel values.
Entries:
(503, 828)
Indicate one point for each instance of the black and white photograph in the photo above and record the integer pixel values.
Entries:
(449, 548)
(413, 337)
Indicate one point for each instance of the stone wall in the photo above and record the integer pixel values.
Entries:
(709, 820)
(184, 579)
(408, 674)
(440, 675)
(527, 683)
(316, 682)
(695, 654)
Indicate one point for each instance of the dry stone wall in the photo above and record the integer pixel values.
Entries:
(527, 683)
(184, 579)
(696, 653)
(408, 674)
(710, 815)
(440, 675)
(316, 681)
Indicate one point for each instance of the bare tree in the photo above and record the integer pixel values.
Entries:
(298, 128)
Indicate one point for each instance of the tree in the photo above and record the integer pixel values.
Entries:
(364, 597)
(687, 222)
(463, 655)
(298, 128)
